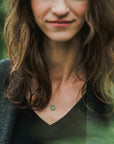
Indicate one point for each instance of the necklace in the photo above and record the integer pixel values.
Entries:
(52, 105)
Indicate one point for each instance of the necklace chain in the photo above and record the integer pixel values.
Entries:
(52, 103)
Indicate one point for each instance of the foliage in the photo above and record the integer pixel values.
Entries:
(3, 47)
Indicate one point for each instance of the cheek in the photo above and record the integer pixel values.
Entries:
(37, 8)
(80, 9)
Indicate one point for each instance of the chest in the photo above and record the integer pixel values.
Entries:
(30, 128)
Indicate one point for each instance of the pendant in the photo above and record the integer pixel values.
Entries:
(52, 107)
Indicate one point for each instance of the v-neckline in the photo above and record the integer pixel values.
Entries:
(62, 118)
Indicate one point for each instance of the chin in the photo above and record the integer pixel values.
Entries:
(61, 38)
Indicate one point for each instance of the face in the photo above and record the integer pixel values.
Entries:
(60, 20)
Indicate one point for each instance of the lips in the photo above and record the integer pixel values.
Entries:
(60, 23)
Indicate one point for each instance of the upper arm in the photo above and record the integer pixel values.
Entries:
(4, 68)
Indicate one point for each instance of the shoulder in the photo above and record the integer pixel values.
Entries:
(4, 65)
(7, 109)
(4, 68)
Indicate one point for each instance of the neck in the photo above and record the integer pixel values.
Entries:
(62, 58)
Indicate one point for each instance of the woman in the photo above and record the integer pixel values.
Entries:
(59, 79)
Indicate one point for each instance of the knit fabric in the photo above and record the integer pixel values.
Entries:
(7, 111)
(98, 130)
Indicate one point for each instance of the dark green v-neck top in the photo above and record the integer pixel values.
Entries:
(79, 125)
(31, 129)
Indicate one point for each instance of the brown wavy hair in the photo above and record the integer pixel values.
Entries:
(24, 40)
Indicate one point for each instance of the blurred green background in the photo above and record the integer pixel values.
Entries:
(3, 47)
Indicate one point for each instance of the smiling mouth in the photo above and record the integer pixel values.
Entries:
(60, 23)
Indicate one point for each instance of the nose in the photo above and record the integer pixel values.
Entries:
(60, 8)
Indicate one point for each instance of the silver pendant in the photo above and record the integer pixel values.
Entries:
(52, 107)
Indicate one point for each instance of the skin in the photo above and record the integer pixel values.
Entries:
(61, 46)
(47, 10)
